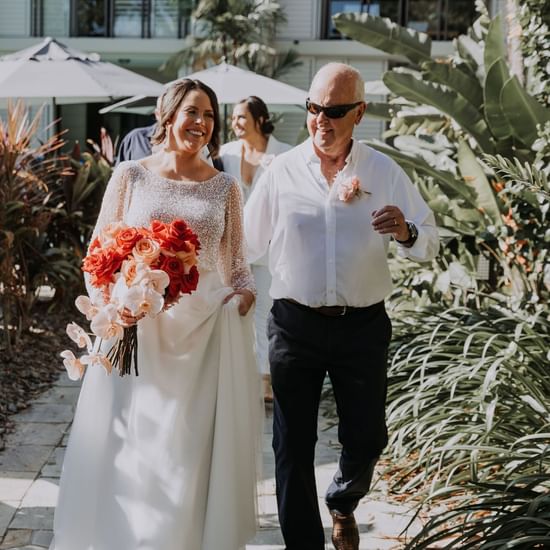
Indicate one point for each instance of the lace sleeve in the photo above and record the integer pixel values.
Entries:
(112, 205)
(232, 263)
(112, 208)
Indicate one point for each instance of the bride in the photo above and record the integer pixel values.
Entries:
(167, 460)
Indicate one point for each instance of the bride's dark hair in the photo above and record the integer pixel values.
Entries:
(170, 102)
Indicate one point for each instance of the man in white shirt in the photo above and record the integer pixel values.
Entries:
(326, 210)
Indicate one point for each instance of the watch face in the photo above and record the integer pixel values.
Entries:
(413, 231)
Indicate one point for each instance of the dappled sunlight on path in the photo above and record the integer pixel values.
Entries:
(30, 467)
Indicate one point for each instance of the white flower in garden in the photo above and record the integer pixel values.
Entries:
(97, 359)
(78, 334)
(106, 323)
(73, 365)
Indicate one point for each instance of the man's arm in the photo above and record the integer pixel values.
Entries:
(257, 218)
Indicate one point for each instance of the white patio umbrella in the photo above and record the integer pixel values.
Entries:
(52, 70)
(231, 84)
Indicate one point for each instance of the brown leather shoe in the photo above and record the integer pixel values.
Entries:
(345, 533)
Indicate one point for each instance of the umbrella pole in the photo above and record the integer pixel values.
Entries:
(225, 122)
(55, 116)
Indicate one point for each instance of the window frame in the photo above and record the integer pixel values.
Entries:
(37, 20)
(441, 34)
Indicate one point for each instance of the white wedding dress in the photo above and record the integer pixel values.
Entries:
(167, 460)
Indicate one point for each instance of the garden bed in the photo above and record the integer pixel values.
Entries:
(35, 364)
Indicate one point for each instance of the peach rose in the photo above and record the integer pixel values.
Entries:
(146, 251)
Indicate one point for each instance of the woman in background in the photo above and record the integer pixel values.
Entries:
(246, 159)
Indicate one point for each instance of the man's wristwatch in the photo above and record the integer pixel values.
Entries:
(413, 235)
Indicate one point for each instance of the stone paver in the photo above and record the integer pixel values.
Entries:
(31, 464)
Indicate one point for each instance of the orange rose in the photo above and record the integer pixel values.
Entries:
(94, 244)
(175, 235)
(126, 240)
(102, 265)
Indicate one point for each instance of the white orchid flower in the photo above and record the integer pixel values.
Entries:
(156, 279)
(97, 359)
(143, 299)
(86, 307)
(133, 271)
(118, 293)
(79, 335)
(74, 366)
(106, 324)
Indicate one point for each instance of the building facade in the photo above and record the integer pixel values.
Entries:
(141, 34)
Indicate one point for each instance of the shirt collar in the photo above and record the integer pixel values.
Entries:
(311, 156)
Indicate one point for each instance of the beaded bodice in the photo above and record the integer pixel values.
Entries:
(212, 208)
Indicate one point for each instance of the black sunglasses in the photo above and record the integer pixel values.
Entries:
(333, 111)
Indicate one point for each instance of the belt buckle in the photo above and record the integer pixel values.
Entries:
(344, 311)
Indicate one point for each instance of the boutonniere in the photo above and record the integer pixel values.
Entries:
(350, 188)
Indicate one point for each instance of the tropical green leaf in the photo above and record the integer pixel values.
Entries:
(471, 53)
(495, 43)
(474, 176)
(381, 33)
(523, 111)
(446, 179)
(383, 111)
(447, 101)
(461, 81)
(497, 75)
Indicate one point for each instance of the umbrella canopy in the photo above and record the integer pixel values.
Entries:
(231, 84)
(51, 69)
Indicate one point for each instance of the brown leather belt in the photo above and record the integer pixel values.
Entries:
(328, 311)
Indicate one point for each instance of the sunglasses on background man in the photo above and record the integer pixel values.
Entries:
(332, 111)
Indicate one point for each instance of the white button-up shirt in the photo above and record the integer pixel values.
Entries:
(322, 250)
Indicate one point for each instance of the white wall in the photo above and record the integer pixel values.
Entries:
(303, 19)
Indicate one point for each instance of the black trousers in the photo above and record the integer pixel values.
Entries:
(303, 347)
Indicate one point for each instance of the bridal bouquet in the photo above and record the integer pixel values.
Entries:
(137, 271)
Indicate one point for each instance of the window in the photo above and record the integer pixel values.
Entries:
(108, 18)
(90, 18)
(128, 18)
(441, 19)
(16, 18)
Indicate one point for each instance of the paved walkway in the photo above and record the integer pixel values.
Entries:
(31, 464)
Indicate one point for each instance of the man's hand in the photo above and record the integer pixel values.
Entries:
(245, 302)
(389, 220)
